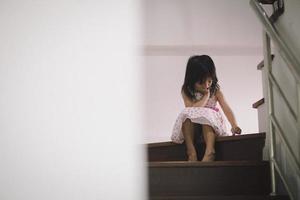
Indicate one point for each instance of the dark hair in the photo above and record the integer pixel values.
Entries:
(198, 69)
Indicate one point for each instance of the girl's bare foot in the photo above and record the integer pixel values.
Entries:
(209, 157)
(192, 156)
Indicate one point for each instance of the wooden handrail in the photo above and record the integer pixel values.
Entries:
(258, 103)
(267, 1)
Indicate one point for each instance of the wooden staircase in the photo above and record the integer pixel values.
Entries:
(238, 172)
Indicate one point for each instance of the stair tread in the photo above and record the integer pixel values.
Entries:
(240, 147)
(225, 197)
(218, 139)
(206, 164)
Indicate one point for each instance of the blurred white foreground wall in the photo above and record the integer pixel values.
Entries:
(69, 86)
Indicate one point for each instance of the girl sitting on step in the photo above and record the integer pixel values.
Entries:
(200, 93)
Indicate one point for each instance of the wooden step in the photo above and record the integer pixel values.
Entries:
(242, 147)
(188, 179)
(235, 197)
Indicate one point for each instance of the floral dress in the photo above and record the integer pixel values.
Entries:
(208, 115)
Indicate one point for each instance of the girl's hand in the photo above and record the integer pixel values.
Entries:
(207, 92)
(236, 130)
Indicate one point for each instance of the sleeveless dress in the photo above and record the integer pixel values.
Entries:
(209, 115)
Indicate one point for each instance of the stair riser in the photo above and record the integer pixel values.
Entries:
(195, 181)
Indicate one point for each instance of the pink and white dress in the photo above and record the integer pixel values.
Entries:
(209, 115)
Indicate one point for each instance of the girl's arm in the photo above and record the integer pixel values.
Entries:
(189, 103)
(235, 129)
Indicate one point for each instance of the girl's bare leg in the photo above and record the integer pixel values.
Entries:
(188, 133)
(209, 138)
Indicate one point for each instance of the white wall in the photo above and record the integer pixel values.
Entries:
(199, 22)
(69, 101)
(174, 30)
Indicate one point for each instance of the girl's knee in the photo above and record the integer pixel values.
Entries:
(187, 121)
(188, 124)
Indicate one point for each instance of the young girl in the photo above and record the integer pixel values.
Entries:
(200, 93)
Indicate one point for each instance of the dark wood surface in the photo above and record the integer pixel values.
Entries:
(266, 1)
(238, 174)
(200, 164)
(230, 197)
(258, 103)
(218, 139)
(249, 178)
(242, 147)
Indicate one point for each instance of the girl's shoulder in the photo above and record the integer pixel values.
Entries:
(187, 101)
(184, 93)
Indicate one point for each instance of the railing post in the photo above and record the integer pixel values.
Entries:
(268, 66)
